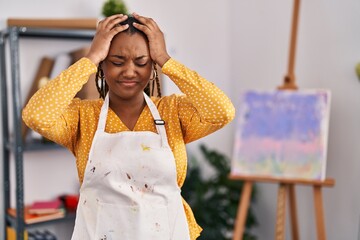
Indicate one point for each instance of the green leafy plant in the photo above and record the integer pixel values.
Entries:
(215, 200)
(112, 7)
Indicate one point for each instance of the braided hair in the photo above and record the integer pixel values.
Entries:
(153, 84)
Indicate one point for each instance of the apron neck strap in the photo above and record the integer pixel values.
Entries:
(159, 123)
(103, 114)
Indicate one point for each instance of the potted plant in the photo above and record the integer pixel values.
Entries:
(215, 200)
(112, 7)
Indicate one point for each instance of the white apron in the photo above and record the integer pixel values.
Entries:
(130, 189)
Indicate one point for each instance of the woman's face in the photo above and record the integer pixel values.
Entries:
(127, 68)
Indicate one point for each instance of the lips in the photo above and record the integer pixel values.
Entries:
(128, 83)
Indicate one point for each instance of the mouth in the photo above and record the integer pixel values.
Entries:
(127, 83)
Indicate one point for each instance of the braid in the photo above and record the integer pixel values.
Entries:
(156, 82)
(102, 87)
(152, 87)
(97, 76)
(153, 84)
(158, 85)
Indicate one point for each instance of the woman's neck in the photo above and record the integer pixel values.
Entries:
(128, 110)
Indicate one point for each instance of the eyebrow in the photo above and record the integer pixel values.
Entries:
(122, 57)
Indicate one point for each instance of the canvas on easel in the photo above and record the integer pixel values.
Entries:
(282, 134)
(272, 142)
(282, 138)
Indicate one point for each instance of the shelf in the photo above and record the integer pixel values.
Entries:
(56, 33)
(74, 29)
(55, 28)
(36, 145)
(68, 217)
(59, 23)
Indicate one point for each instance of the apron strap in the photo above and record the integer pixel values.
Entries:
(103, 114)
(159, 123)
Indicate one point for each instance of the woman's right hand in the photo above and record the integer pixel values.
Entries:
(105, 31)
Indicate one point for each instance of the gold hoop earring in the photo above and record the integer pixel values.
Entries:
(155, 74)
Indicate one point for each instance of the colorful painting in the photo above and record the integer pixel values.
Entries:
(282, 134)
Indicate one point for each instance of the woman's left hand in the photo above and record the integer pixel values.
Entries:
(156, 38)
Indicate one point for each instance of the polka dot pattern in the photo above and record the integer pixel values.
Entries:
(200, 110)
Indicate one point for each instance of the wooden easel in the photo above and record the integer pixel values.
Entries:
(286, 186)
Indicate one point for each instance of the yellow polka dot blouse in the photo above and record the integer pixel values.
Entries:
(56, 114)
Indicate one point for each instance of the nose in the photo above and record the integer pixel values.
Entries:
(129, 70)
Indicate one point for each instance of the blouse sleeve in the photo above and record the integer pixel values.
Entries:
(52, 111)
(203, 108)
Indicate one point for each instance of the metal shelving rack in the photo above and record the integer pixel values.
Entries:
(15, 145)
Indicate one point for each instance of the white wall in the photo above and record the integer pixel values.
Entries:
(243, 44)
(189, 29)
(197, 36)
(328, 49)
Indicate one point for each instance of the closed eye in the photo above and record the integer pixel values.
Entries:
(141, 64)
(117, 63)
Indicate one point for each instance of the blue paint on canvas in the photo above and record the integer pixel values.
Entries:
(279, 115)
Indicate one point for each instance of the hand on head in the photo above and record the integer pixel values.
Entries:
(110, 26)
(105, 31)
(156, 38)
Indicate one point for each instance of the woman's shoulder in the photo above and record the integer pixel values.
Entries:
(86, 104)
(169, 100)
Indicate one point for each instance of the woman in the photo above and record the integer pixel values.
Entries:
(130, 149)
